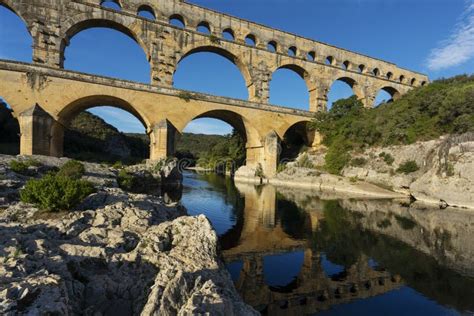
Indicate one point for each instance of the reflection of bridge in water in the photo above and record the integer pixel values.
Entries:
(263, 233)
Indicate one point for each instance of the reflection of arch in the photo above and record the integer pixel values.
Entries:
(248, 133)
(83, 22)
(224, 53)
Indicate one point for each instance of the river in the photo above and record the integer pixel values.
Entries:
(291, 252)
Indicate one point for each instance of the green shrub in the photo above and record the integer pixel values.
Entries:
(305, 162)
(117, 165)
(214, 39)
(358, 162)
(21, 167)
(72, 169)
(354, 179)
(186, 96)
(281, 167)
(336, 159)
(55, 193)
(449, 169)
(134, 183)
(387, 158)
(407, 167)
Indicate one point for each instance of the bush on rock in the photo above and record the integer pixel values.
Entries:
(55, 193)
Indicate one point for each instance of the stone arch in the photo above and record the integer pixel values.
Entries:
(205, 25)
(27, 51)
(228, 34)
(146, 8)
(179, 18)
(393, 92)
(272, 46)
(301, 72)
(221, 52)
(251, 40)
(117, 2)
(71, 110)
(294, 137)
(98, 19)
(346, 65)
(350, 84)
(10, 5)
(247, 131)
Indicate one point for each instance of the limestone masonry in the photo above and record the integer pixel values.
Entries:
(45, 97)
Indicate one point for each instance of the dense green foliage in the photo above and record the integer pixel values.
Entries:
(90, 138)
(55, 193)
(229, 152)
(21, 167)
(387, 158)
(442, 107)
(408, 167)
(72, 169)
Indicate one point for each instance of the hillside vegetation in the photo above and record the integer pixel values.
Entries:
(443, 107)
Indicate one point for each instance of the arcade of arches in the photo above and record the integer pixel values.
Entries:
(36, 95)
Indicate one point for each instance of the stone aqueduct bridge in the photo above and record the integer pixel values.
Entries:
(45, 98)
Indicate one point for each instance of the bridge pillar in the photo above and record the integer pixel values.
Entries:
(271, 154)
(162, 140)
(318, 97)
(46, 48)
(259, 84)
(35, 129)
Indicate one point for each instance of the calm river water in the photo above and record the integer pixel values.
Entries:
(295, 253)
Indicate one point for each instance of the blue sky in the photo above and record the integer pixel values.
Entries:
(435, 37)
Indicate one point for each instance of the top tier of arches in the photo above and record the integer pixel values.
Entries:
(261, 37)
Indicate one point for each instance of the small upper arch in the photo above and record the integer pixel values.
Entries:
(346, 65)
(111, 4)
(413, 81)
(292, 51)
(402, 79)
(177, 20)
(362, 68)
(228, 34)
(251, 40)
(272, 46)
(146, 11)
(376, 72)
(204, 27)
(389, 75)
(311, 56)
(330, 60)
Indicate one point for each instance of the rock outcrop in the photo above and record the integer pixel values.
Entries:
(445, 175)
(116, 254)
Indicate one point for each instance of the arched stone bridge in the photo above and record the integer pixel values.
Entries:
(258, 51)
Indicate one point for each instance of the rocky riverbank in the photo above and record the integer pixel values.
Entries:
(116, 253)
(442, 172)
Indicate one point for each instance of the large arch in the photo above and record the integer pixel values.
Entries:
(248, 133)
(341, 88)
(108, 20)
(15, 26)
(294, 139)
(300, 72)
(386, 95)
(71, 110)
(221, 52)
(221, 73)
